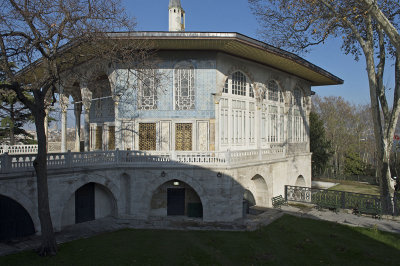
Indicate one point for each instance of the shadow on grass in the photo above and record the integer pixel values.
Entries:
(287, 241)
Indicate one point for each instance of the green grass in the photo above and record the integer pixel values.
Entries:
(357, 187)
(287, 241)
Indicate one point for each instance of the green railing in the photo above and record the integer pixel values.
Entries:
(332, 199)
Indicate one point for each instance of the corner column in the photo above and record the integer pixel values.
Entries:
(87, 102)
(78, 112)
(118, 124)
(64, 101)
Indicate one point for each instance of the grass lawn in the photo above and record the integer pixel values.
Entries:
(353, 186)
(287, 241)
(357, 187)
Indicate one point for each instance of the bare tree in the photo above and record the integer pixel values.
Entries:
(36, 35)
(298, 25)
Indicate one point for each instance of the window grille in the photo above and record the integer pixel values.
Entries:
(147, 136)
(183, 137)
(148, 84)
(184, 87)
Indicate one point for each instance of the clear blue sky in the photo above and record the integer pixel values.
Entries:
(235, 16)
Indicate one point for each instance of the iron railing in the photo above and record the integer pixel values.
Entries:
(340, 199)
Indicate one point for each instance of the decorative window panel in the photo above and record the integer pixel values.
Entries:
(238, 121)
(127, 135)
(224, 121)
(99, 138)
(273, 124)
(252, 121)
(184, 87)
(148, 84)
(239, 83)
(183, 136)
(111, 137)
(147, 136)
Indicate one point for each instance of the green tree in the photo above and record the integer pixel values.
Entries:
(37, 36)
(353, 164)
(319, 146)
(367, 28)
(13, 117)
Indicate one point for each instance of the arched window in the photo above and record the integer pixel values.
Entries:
(239, 83)
(272, 116)
(296, 128)
(148, 84)
(184, 87)
(237, 111)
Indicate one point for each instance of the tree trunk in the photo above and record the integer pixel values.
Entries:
(381, 142)
(48, 245)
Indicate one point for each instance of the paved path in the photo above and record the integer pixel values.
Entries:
(257, 218)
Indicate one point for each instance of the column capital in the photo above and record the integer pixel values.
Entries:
(64, 102)
(86, 97)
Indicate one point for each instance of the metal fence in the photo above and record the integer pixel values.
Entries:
(340, 199)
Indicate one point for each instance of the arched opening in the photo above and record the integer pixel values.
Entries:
(260, 191)
(89, 202)
(249, 198)
(102, 114)
(300, 181)
(15, 221)
(176, 198)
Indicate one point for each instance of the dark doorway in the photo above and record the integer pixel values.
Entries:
(15, 221)
(84, 203)
(176, 201)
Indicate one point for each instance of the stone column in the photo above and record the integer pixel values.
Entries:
(64, 106)
(118, 124)
(87, 102)
(78, 112)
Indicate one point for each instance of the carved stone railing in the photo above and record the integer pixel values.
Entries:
(19, 149)
(342, 199)
(24, 162)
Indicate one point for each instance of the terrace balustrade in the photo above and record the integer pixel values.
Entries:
(11, 163)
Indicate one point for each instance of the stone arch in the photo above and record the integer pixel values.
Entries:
(300, 181)
(259, 188)
(65, 199)
(24, 201)
(242, 69)
(248, 196)
(176, 197)
(97, 197)
(152, 187)
(15, 221)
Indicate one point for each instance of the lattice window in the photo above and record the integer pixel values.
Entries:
(239, 83)
(147, 136)
(184, 87)
(183, 136)
(148, 84)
